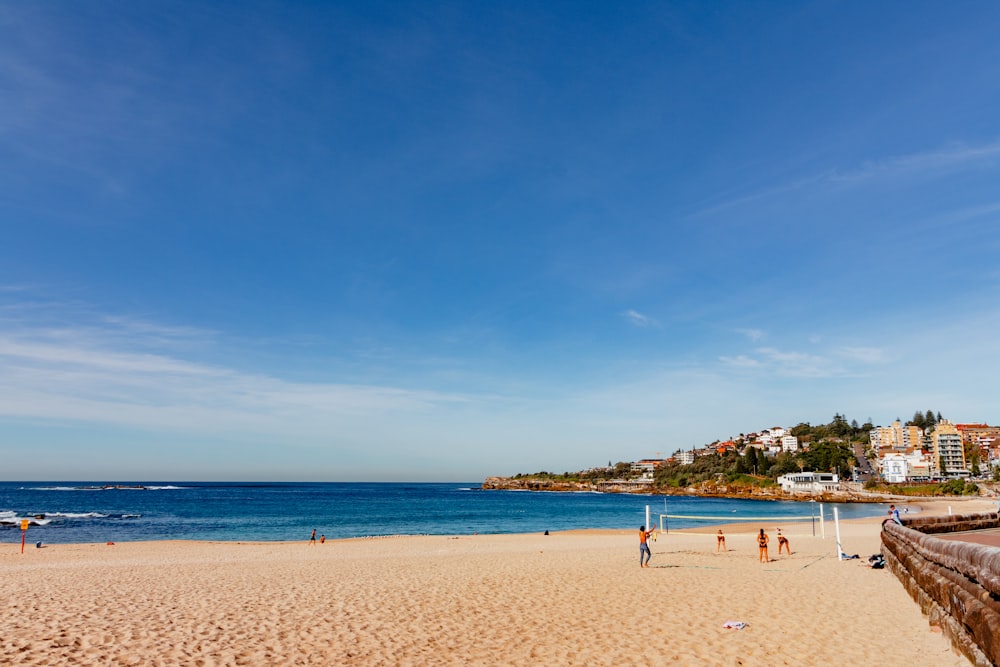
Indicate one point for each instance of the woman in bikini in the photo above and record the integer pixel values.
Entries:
(720, 542)
(762, 546)
(783, 543)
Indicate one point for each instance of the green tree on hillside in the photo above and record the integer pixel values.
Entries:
(828, 457)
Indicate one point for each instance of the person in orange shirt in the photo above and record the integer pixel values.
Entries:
(644, 551)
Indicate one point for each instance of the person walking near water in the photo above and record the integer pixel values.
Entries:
(644, 551)
(312, 538)
(762, 547)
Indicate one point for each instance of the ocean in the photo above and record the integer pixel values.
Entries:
(82, 512)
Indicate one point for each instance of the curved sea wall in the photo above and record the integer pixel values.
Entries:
(956, 584)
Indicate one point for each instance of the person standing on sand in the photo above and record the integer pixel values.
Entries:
(783, 543)
(312, 538)
(643, 547)
(322, 539)
(720, 542)
(762, 547)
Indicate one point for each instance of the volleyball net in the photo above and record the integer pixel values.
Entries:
(665, 519)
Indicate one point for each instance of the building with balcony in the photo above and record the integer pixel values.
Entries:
(684, 458)
(947, 449)
(896, 438)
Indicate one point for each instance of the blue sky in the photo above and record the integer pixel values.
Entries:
(440, 241)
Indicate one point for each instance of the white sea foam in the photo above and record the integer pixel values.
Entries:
(8, 518)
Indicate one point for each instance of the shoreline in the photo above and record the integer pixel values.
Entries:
(925, 506)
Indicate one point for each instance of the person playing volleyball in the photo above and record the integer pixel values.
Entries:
(644, 551)
(783, 544)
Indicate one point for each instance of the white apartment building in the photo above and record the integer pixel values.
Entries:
(789, 443)
(684, 458)
(898, 467)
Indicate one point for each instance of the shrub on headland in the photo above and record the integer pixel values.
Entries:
(953, 487)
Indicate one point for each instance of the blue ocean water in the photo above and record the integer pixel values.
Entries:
(74, 512)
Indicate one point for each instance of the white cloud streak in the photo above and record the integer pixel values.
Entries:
(958, 156)
(640, 320)
(753, 334)
(949, 158)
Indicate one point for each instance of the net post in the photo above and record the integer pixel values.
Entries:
(836, 522)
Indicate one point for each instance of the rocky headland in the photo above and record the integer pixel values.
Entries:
(709, 489)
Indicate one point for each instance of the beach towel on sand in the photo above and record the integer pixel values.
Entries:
(735, 625)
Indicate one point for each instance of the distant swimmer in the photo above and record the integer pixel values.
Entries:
(783, 543)
(720, 541)
(312, 538)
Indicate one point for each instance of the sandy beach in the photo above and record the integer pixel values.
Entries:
(575, 598)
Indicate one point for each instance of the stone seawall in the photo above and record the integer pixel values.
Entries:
(956, 584)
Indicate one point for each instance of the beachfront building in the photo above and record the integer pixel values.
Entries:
(898, 467)
(947, 449)
(979, 434)
(985, 439)
(896, 438)
(789, 443)
(684, 458)
(809, 482)
(646, 467)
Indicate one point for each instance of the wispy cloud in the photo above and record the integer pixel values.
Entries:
(941, 160)
(867, 355)
(752, 334)
(108, 373)
(786, 364)
(639, 320)
(741, 361)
